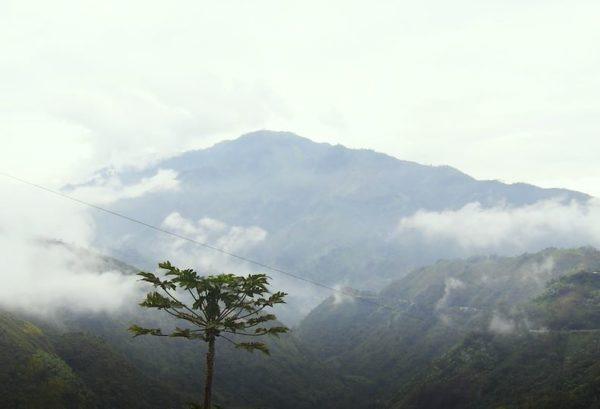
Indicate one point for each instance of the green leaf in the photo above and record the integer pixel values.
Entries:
(222, 303)
(253, 346)
(137, 331)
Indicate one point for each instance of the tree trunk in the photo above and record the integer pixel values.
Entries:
(210, 364)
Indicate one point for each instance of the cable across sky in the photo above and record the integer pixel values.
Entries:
(197, 242)
(211, 247)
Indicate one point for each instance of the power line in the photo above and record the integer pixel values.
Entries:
(202, 244)
(222, 250)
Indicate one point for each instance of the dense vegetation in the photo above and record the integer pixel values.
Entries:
(557, 366)
(210, 308)
(478, 333)
(461, 328)
(49, 370)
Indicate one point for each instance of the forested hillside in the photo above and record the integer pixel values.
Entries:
(47, 369)
(457, 334)
(494, 305)
(299, 204)
(79, 359)
(551, 361)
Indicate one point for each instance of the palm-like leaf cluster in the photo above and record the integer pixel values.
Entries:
(224, 305)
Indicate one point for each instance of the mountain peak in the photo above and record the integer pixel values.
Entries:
(330, 212)
(265, 137)
(269, 135)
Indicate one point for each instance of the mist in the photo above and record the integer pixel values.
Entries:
(110, 189)
(42, 275)
(503, 229)
(52, 263)
(243, 240)
(420, 178)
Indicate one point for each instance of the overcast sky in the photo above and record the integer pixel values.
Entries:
(504, 89)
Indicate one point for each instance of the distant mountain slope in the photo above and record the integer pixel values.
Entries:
(388, 352)
(29, 370)
(536, 371)
(330, 212)
(82, 359)
(44, 370)
(558, 367)
(457, 334)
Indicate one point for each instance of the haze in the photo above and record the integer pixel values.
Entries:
(498, 89)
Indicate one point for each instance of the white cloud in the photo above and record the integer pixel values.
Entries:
(43, 278)
(501, 325)
(506, 229)
(243, 240)
(540, 272)
(503, 90)
(343, 295)
(234, 239)
(451, 285)
(111, 189)
(499, 89)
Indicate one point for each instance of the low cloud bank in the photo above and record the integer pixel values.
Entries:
(111, 189)
(214, 232)
(500, 325)
(243, 240)
(42, 277)
(474, 229)
(451, 286)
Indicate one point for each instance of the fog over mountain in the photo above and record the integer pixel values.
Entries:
(484, 332)
(44, 276)
(397, 202)
(340, 216)
(456, 334)
(407, 334)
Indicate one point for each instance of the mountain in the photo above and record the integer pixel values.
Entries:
(420, 333)
(47, 370)
(330, 213)
(84, 359)
(290, 377)
(483, 332)
(556, 367)
(454, 334)
(31, 374)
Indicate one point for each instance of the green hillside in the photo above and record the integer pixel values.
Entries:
(500, 332)
(118, 371)
(32, 375)
(389, 351)
(290, 377)
(101, 366)
(43, 369)
(556, 367)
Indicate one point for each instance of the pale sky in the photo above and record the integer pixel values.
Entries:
(505, 90)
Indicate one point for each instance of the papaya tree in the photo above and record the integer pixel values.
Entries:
(226, 306)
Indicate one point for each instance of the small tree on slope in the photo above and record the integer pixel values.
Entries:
(221, 305)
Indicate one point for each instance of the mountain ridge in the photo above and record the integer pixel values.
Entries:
(266, 135)
(328, 213)
(436, 329)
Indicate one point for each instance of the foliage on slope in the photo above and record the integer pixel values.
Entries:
(291, 377)
(570, 303)
(115, 381)
(436, 308)
(122, 372)
(32, 375)
(458, 335)
(556, 367)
